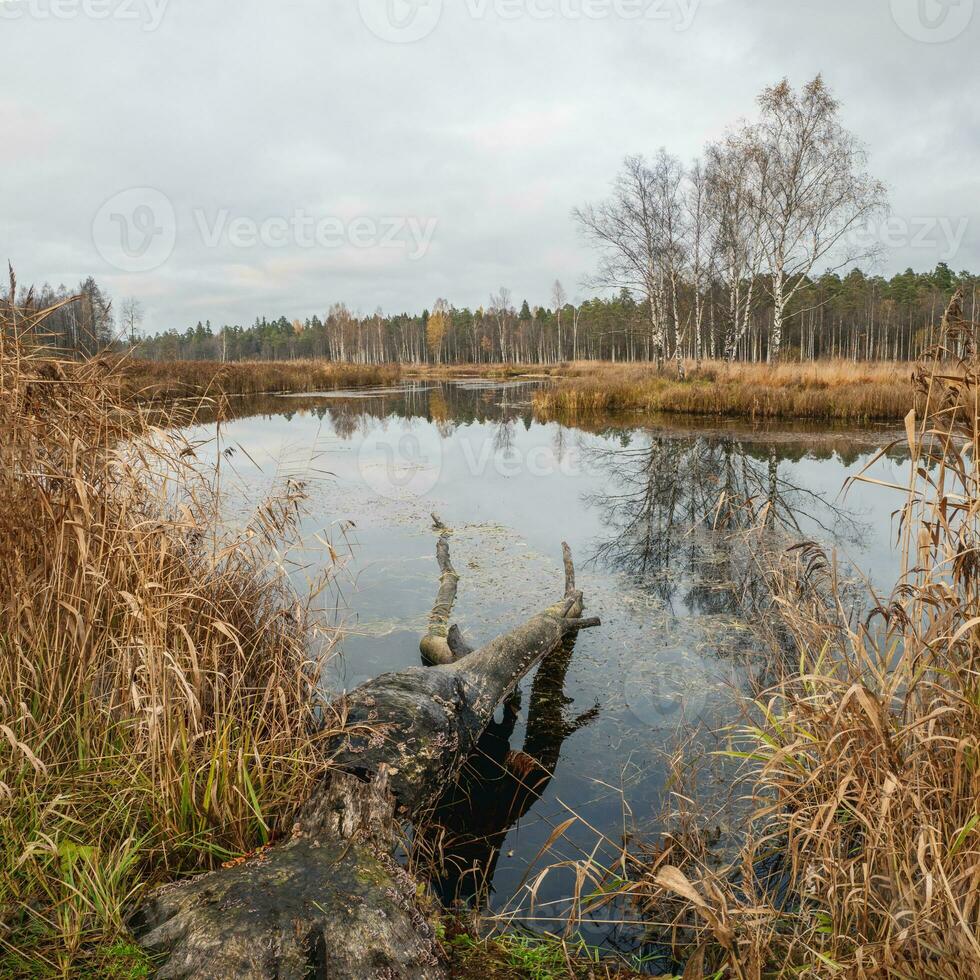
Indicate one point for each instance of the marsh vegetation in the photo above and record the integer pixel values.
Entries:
(158, 676)
(165, 678)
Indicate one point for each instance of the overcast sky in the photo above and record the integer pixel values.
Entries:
(227, 158)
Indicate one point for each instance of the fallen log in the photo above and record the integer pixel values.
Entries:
(331, 901)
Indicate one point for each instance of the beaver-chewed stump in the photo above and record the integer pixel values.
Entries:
(331, 901)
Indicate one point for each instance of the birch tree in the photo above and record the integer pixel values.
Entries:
(132, 319)
(502, 311)
(436, 328)
(627, 230)
(737, 232)
(559, 297)
(811, 188)
(699, 249)
(668, 177)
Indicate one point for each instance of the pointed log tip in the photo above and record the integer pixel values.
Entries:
(566, 552)
(457, 642)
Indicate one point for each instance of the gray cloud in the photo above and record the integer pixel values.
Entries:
(493, 126)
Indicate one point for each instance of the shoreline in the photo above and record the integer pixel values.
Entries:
(822, 392)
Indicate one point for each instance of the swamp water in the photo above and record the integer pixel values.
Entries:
(656, 514)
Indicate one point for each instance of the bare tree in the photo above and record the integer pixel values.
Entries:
(576, 318)
(628, 231)
(559, 297)
(736, 221)
(668, 177)
(131, 314)
(810, 187)
(502, 311)
(700, 250)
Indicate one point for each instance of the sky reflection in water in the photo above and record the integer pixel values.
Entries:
(641, 507)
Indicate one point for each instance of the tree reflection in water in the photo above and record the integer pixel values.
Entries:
(499, 785)
(683, 506)
(676, 509)
(683, 517)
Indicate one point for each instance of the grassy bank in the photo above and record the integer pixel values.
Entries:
(825, 391)
(864, 755)
(158, 676)
(158, 680)
(574, 393)
(520, 956)
(163, 381)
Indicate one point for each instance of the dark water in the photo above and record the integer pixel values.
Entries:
(656, 516)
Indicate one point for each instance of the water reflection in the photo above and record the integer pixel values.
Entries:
(499, 785)
(677, 506)
(662, 509)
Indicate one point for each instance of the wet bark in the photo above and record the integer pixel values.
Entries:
(499, 784)
(436, 645)
(423, 722)
(331, 901)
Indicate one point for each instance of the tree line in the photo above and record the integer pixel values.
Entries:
(854, 316)
(751, 252)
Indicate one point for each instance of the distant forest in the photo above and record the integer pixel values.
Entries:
(857, 317)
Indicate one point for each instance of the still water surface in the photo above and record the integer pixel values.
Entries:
(655, 515)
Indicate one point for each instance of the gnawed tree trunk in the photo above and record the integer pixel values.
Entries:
(331, 901)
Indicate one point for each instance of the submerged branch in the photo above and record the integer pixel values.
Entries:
(435, 645)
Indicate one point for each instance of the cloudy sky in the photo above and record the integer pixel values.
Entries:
(225, 158)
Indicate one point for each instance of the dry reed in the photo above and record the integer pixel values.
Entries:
(166, 381)
(866, 756)
(158, 678)
(824, 390)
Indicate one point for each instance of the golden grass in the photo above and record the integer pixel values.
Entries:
(158, 678)
(492, 371)
(866, 755)
(577, 392)
(164, 381)
(824, 390)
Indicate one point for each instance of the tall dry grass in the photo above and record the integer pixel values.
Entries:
(866, 755)
(166, 381)
(824, 390)
(158, 678)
